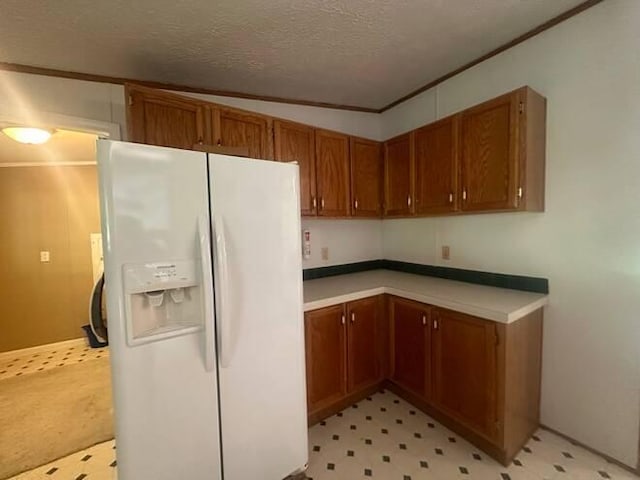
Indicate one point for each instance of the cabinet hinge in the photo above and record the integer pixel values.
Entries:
(521, 107)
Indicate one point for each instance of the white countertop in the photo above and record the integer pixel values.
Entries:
(498, 304)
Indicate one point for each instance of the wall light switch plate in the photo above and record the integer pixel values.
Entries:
(44, 256)
(324, 253)
(446, 253)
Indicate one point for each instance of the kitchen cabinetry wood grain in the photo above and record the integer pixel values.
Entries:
(502, 153)
(326, 356)
(362, 343)
(332, 173)
(464, 370)
(164, 119)
(237, 128)
(436, 172)
(295, 142)
(399, 175)
(366, 178)
(410, 346)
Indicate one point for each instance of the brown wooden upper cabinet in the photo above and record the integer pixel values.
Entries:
(399, 175)
(159, 118)
(236, 128)
(410, 345)
(295, 142)
(502, 145)
(326, 356)
(366, 178)
(465, 370)
(436, 167)
(332, 173)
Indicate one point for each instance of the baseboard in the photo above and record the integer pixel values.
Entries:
(76, 342)
(618, 463)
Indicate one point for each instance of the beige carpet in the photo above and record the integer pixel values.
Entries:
(50, 414)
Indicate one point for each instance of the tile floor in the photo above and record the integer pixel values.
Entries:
(22, 362)
(385, 437)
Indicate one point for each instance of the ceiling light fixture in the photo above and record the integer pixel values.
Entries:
(30, 135)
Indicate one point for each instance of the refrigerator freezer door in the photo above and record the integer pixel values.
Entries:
(258, 283)
(165, 390)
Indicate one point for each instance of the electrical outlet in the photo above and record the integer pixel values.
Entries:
(446, 253)
(324, 253)
(44, 256)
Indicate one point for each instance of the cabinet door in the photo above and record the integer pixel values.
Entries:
(410, 346)
(296, 142)
(159, 118)
(464, 370)
(235, 128)
(366, 178)
(332, 173)
(436, 167)
(326, 355)
(489, 156)
(362, 343)
(398, 176)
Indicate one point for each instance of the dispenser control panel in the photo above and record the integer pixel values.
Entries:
(145, 277)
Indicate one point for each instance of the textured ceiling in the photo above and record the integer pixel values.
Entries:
(356, 52)
(63, 146)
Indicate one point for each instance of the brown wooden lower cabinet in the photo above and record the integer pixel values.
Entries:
(344, 355)
(410, 345)
(478, 377)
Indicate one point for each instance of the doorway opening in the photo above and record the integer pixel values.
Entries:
(55, 383)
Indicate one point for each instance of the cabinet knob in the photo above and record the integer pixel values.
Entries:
(219, 143)
(314, 202)
(451, 198)
(464, 194)
(342, 319)
(408, 200)
(424, 319)
(353, 317)
(435, 324)
(322, 203)
(355, 204)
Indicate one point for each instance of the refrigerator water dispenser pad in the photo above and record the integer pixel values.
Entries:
(162, 299)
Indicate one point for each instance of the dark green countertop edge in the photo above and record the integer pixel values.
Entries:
(501, 280)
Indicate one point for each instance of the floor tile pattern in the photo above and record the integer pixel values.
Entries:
(94, 463)
(23, 362)
(384, 437)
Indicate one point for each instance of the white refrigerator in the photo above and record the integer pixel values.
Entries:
(204, 298)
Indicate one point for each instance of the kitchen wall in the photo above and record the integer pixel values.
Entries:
(54, 209)
(348, 241)
(587, 242)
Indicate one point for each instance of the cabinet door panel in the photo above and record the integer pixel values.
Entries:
(233, 128)
(325, 338)
(362, 350)
(295, 142)
(464, 365)
(398, 176)
(489, 155)
(158, 118)
(332, 174)
(436, 167)
(366, 178)
(410, 349)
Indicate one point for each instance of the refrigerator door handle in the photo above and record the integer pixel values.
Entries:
(207, 293)
(222, 287)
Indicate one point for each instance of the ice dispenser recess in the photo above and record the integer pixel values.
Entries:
(162, 300)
